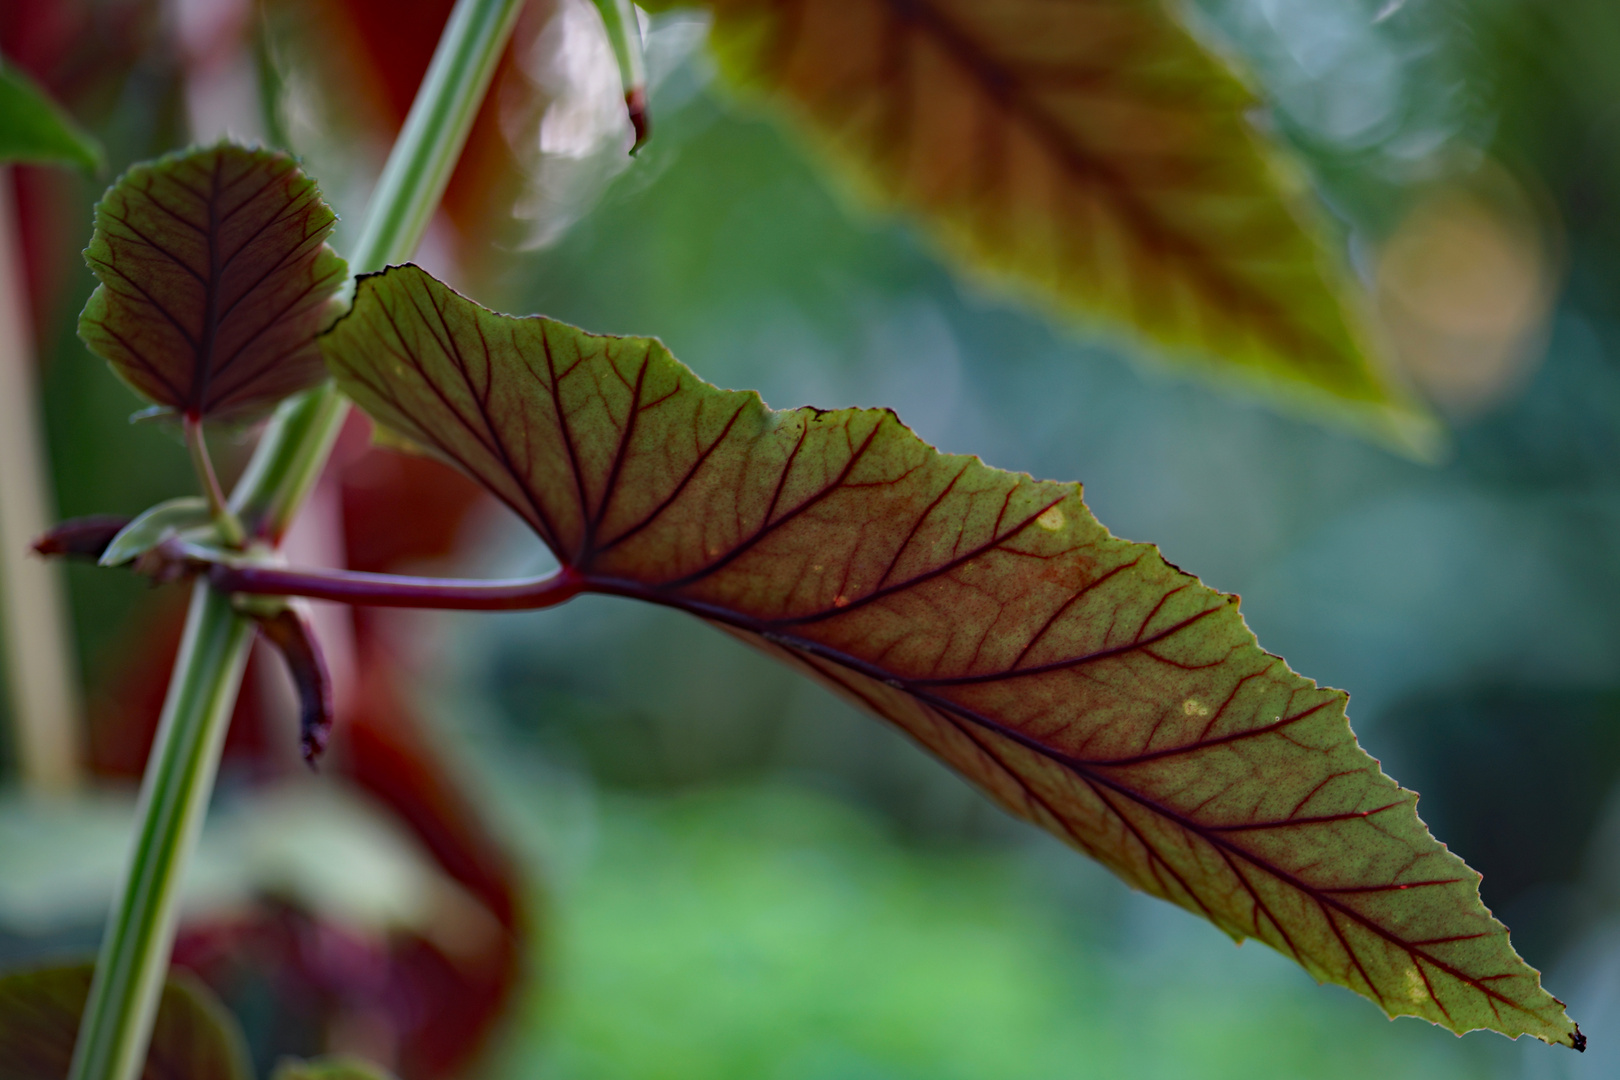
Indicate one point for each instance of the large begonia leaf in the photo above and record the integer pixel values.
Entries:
(215, 280)
(1079, 679)
(1090, 153)
(194, 1037)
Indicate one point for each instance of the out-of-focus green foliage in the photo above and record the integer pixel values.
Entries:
(765, 932)
(335, 1068)
(34, 129)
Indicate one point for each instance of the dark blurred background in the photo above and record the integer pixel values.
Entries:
(606, 842)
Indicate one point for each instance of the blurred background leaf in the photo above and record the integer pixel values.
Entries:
(194, 1037)
(1095, 156)
(33, 128)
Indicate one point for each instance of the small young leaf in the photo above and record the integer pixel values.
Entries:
(215, 279)
(1093, 155)
(187, 514)
(34, 129)
(1079, 679)
(194, 1038)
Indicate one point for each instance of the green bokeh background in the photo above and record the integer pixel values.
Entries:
(746, 879)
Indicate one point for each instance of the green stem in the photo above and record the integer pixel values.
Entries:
(230, 528)
(179, 779)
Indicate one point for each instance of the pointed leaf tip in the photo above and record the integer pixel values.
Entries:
(1078, 679)
(215, 279)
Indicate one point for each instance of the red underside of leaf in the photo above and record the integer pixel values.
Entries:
(1077, 678)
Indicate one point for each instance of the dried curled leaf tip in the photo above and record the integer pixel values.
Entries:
(81, 538)
(292, 634)
(635, 103)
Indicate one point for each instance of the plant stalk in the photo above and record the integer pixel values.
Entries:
(134, 959)
(393, 590)
(197, 444)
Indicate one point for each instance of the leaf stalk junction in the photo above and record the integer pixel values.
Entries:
(230, 526)
(253, 577)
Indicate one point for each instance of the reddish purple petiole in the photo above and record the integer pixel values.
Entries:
(390, 590)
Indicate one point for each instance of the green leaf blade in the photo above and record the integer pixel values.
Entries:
(1093, 157)
(215, 279)
(1079, 679)
(194, 1038)
(35, 130)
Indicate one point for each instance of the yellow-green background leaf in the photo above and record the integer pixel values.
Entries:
(1093, 155)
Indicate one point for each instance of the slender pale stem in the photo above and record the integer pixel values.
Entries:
(230, 528)
(174, 797)
(179, 779)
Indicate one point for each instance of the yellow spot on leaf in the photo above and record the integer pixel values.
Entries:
(1052, 519)
(1193, 707)
(840, 601)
